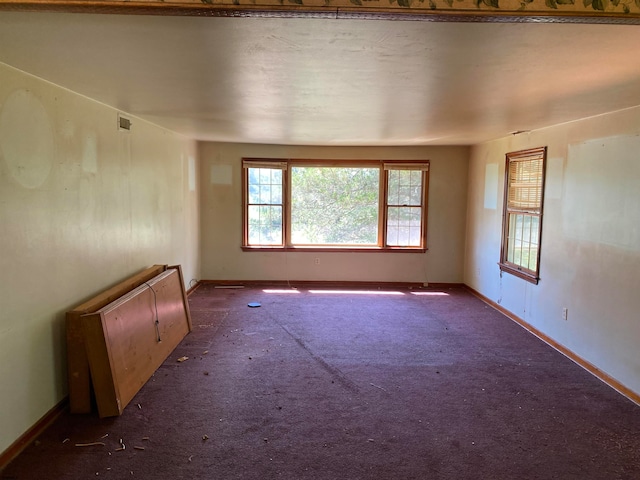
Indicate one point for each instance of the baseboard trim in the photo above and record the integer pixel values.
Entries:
(32, 433)
(193, 288)
(444, 286)
(326, 284)
(595, 371)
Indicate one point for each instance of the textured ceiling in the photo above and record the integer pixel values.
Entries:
(332, 82)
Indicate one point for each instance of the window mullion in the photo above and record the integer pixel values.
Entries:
(245, 207)
(286, 200)
(383, 207)
(423, 213)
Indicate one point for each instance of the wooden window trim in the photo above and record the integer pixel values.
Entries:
(261, 163)
(389, 165)
(337, 249)
(383, 165)
(510, 267)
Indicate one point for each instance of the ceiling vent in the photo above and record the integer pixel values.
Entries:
(124, 123)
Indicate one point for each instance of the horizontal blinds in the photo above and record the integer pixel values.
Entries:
(525, 183)
(407, 166)
(278, 165)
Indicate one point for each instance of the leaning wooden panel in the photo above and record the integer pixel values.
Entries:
(185, 299)
(127, 340)
(77, 362)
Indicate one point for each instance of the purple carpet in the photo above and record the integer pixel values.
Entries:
(352, 386)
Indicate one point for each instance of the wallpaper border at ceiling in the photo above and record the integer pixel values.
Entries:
(512, 11)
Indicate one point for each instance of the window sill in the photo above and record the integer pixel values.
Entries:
(349, 249)
(529, 277)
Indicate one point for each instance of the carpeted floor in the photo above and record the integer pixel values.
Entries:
(352, 386)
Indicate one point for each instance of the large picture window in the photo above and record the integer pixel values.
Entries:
(522, 214)
(335, 205)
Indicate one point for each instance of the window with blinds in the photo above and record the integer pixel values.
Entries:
(522, 217)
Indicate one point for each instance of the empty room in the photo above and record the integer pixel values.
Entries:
(403, 238)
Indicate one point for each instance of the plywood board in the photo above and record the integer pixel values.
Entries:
(127, 340)
(77, 362)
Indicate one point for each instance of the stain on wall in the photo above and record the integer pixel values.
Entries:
(26, 138)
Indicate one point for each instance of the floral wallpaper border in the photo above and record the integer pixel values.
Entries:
(467, 6)
(597, 10)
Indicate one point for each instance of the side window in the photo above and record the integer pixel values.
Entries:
(406, 194)
(522, 213)
(264, 212)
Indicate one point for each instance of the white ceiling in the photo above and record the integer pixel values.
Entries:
(332, 82)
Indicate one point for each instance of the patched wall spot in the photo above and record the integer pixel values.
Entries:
(26, 138)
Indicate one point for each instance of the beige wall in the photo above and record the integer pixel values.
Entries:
(590, 239)
(82, 206)
(221, 220)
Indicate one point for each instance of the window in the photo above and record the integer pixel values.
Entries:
(522, 213)
(335, 204)
(265, 204)
(404, 207)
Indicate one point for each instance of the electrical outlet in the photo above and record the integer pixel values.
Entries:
(316, 261)
(565, 312)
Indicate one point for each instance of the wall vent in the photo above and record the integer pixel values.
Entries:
(124, 123)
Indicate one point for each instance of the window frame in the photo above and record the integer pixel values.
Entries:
(532, 154)
(246, 204)
(384, 167)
